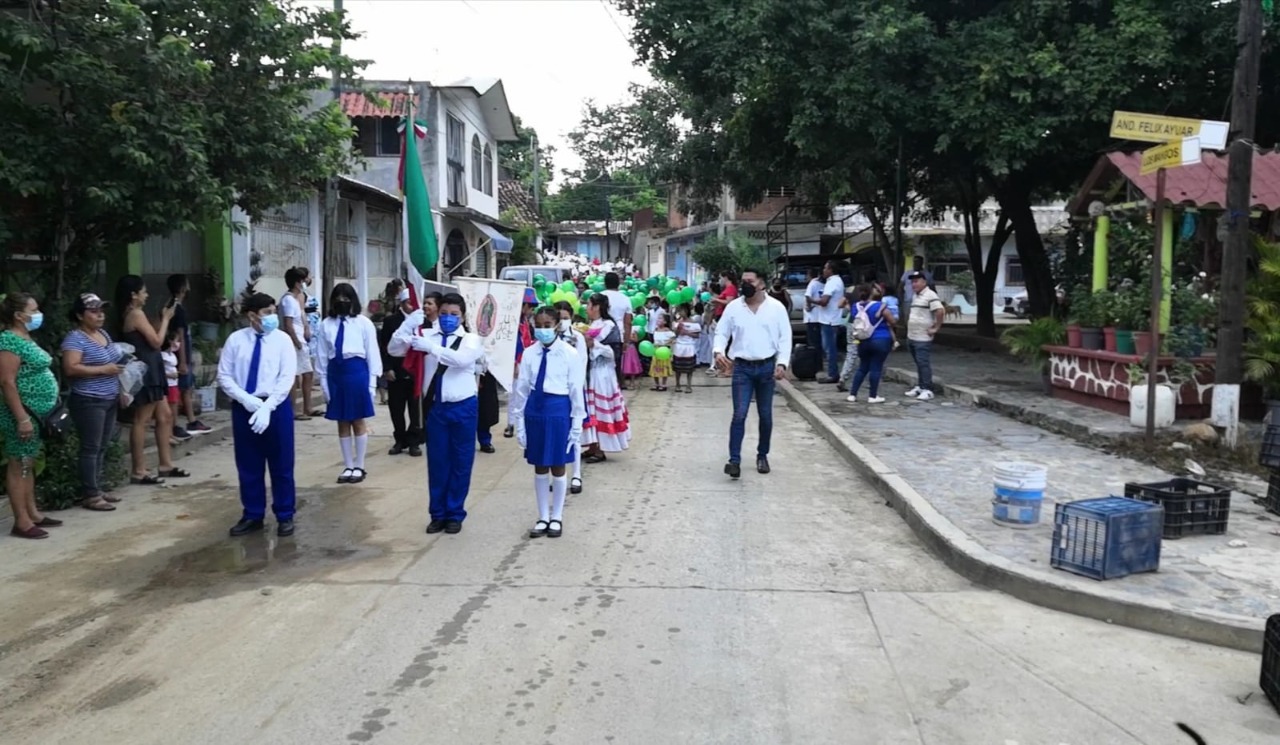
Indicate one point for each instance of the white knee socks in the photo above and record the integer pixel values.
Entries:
(559, 485)
(348, 446)
(577, 461)
(542, 490)
(362, 446)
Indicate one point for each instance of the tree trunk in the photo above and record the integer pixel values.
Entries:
(1015, 202)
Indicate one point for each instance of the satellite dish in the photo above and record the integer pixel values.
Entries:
(1096, 209)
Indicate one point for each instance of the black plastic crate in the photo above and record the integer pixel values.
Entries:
(1269, 452)
(1273, 493)
(1190, 507)
(1270, 680)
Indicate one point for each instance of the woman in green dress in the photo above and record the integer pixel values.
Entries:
(30, 392)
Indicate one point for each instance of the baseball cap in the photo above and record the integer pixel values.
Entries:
(89, 301)
(530, 297)
(916, 275)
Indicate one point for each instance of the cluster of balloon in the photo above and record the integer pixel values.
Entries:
(636, 290)
(647, 349)
(550, 293)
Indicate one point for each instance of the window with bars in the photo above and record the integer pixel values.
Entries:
(454, 138)
(1013, 276)
(377, 136)
(488, 169)
(477, 164)
(781, 192)
(943, 269)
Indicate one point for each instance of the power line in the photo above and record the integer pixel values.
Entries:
(614, 21)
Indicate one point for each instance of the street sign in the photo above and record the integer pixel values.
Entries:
(1174, 154)
(1127, 125)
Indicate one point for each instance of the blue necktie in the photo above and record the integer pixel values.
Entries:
(542, 370)
(438, 395)
(251, 385)
(337, 344)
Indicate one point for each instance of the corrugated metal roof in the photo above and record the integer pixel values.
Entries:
(357, 103)
(1204, 185)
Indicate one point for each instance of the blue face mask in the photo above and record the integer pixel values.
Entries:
(546, 336)
(37, 320)
(270, 323)
(449, 324)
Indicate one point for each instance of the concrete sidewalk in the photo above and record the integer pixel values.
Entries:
(933, 462)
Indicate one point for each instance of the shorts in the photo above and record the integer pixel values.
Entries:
(304, 361)
(173, 396)
(186, 381)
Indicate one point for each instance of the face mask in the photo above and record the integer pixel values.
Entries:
(449, 324)
(403, 297)
(563, 326)
(546, 336)
(37, 320)
(270, 323)
(343, 306)
(748, 290)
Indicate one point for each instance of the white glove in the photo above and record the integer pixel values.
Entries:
(522, 437)
(419, 343)
(253, 403)
(260, 420)
(575, 436)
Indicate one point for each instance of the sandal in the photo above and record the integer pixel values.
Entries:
(357, 475)
(595, 458)
(347, 475)
(539, 529)
(301, 418)
(174, 473)
(555, 529)
(99, 504)
(575, 485)
(108, 497)
(147, 480)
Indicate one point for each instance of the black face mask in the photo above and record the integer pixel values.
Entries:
(748, 290)
(342, 306)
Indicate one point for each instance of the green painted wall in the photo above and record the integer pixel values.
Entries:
(217, 249)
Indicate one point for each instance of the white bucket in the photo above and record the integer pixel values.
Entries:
(1019, 492)
(208, 398)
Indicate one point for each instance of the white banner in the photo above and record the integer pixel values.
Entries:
(493, 313)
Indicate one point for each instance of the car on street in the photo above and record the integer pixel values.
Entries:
(526, 272)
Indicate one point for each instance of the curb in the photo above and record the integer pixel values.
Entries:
(972, 560)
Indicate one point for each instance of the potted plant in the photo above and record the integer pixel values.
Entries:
(1262, 324)
(1028, 343)
(1140, 318)
(1073, 323)
(1122, 317)
(1104, 308)
(1086, 310)
(1192, 313)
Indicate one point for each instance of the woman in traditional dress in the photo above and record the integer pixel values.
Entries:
(610, 431)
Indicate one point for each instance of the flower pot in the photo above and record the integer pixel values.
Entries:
(207, 331)
(1142, 343)
(1109, 338)
(1124, 341)
(1073, 336)
(1090, 338)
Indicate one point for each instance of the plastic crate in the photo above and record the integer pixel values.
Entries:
(1270, 681)
(1107, 538)
(1269, 452)
(1273, 493)
(1190, 507)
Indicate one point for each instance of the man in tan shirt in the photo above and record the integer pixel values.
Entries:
(923, 322)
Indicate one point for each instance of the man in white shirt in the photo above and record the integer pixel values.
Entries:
(826, 312)
(620, 312)
(294, 323)
(256, 371)
(761, 332)
(812, 328)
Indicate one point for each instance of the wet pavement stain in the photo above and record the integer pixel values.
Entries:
(119, 692)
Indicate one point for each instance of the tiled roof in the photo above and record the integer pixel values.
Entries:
(1203, 185)
(357, 103)
(513, 196)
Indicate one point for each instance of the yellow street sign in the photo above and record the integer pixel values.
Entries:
(1171, 155)
(1127, 125)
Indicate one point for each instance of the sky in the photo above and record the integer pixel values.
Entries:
(552, 55)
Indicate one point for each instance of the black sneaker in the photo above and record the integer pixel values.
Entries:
(453, 527)
(245, 527)
(395, 449)
(415, 451)
(762, 464)
(180, 434)
(284, 528)
(733, 469)
(435, 526)
(488, 449)
(198, 427)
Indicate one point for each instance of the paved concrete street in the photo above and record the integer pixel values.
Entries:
(679, 607)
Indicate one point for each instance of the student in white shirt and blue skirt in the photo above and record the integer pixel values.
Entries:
(350, 365)
(575, 339)
(450, 404)
(256, 371)
(550, 423)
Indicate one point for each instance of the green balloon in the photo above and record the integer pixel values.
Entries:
(539, 280)
(586, 295)
(689, 294)
(639, 332)
(568, 286)
(637, 301)
(663, 353)
(706, 297)
(652, 282)
(674, 297)
(646, 349)
(639, 321)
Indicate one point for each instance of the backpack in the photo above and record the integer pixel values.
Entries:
(863, 328)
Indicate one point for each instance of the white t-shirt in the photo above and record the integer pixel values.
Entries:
(619, 305)
(923, 307)
(814, 291)
(289, 308)
(831, 314)
(687, 346)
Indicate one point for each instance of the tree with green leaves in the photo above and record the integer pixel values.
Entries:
(131, 118)
(517, 158)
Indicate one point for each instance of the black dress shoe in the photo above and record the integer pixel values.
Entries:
(733, 469)
(435, 526)
(509, 432)
(415, 451)
(488, 449)
(245, 527)
(762, 464)
(284, 528)
(395, 449)
(453, 527)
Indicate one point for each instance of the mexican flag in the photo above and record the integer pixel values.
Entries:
(420, 231)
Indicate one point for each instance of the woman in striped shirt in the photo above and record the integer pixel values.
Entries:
(92, 365)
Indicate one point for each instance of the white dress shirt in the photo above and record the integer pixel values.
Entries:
(757, 335)
(459, 380)
(619, 305)
(562, 377)
(834, 291)
(814, 291)
(277, 367)
(360, 339)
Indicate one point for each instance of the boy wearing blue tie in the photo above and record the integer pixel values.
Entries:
(256, 371)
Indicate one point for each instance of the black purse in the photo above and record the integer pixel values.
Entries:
(55, 425)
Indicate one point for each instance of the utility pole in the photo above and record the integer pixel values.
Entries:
(901, 260)
(330, 251)
(1244, 106)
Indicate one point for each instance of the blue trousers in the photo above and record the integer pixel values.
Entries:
(831, 348)
(872, 354)
(922, 353)
(256, 455)
(451, 452)
(751, 379)
(484, 437)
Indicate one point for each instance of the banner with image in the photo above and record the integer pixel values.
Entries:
(493, 313)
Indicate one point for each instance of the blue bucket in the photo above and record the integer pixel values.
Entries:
(1019, 494)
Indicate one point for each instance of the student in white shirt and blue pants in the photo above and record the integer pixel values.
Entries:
(350, 365)
(453, 408)
(760, 328)
(550, 423)
(256, 371)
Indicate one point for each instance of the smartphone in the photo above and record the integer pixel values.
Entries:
(172, 302)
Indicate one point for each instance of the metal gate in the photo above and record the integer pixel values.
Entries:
(482, 261)
(384, 228)
(283, 237)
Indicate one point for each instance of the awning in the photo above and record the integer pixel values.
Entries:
(501, 243)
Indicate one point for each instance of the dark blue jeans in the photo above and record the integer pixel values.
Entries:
(813, 334)
(751, 379)
(95, 420)
(831, 348)
(872, 354)
(921, 352)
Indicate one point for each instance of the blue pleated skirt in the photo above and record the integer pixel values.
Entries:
(348, 383)
(547, 422)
